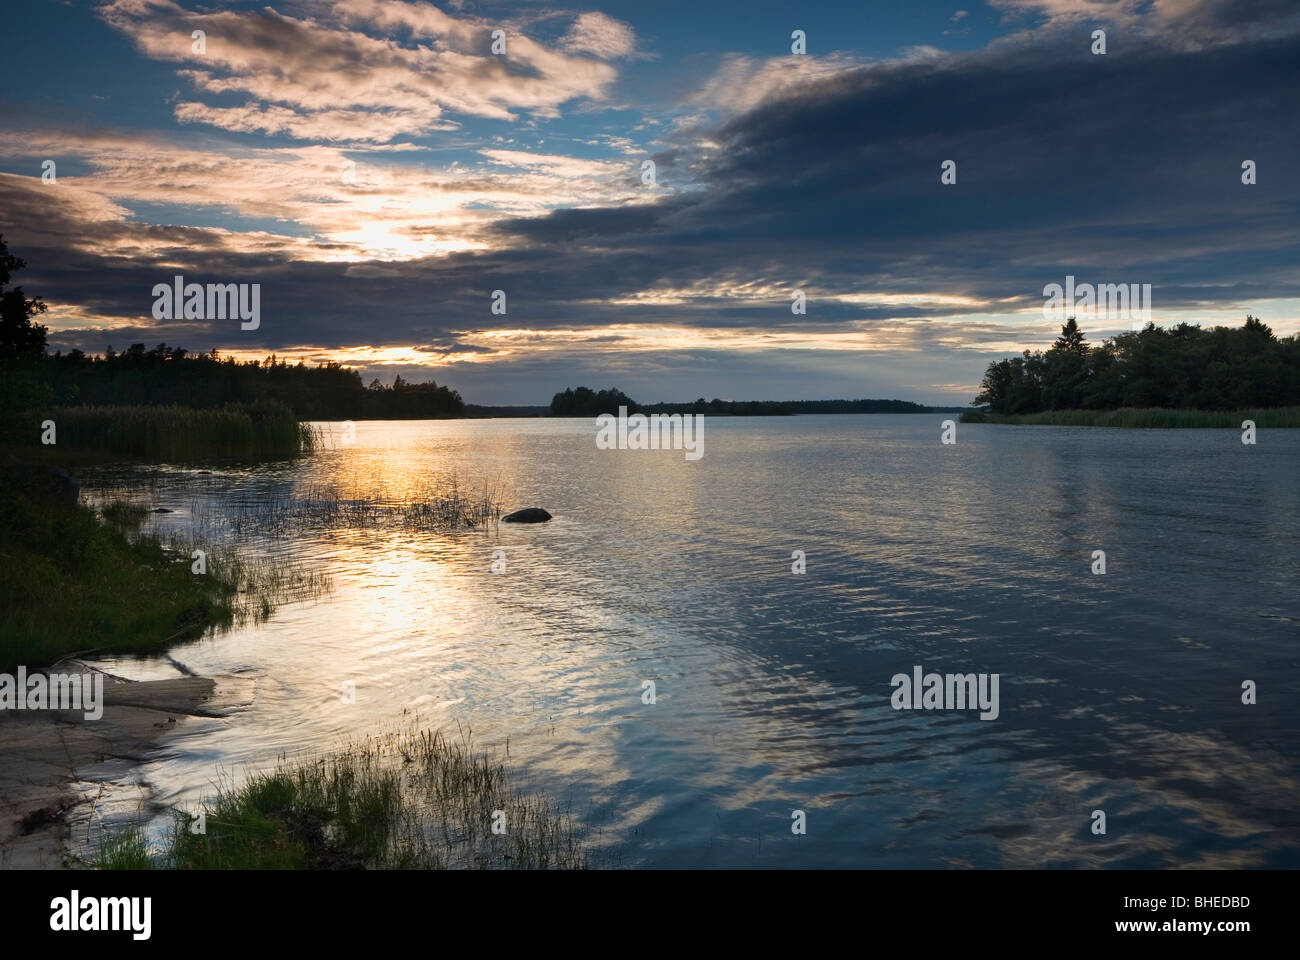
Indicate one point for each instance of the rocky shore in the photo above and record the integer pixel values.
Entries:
(50, 756)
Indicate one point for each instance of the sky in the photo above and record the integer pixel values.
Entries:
(380, 171)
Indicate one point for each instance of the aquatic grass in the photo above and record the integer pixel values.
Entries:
(124, 512)
(1144, 418)
(410, 799)
(126, 506)
(460, 788)
(263, 430)
(255, 585)
(444, 509)
(126, 850)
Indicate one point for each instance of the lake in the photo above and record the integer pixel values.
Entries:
(1120, 692)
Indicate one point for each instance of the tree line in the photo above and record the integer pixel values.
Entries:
(1181, 367)
(172, 375)
(166, 375)
(585, 402)
(785, 408)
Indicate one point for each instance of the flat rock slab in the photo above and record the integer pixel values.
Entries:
(46, 752)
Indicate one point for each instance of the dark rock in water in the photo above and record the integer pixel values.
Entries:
(161, 510)
(527, 515)
(41, 482)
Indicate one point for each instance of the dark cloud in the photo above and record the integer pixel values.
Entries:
(1125, 166)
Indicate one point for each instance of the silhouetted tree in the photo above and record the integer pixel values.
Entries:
(585, 402)
(20, 338)
(1071, 337)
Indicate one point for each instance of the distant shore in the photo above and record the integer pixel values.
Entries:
(740, 408)
(1144, 418)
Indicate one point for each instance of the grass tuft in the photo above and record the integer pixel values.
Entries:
(126, 850)
(408, 800)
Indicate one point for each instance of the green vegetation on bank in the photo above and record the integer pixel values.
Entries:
(407, 800)
(1185, 367)
(70, 582)
(1148, 417)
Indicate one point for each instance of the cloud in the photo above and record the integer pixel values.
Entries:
(300, 194)
(374, 126)
(342, 75)
(1191, 23)
(601, 36)
(741, 83)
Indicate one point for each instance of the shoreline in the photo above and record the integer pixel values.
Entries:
(1145, 418)
(49, 752)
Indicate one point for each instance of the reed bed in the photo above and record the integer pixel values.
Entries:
(411, 799)
(124, 512)
(443, 509)
(1145, 418)
(264, 430)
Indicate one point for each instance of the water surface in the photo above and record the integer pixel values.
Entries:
(1119, 692)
